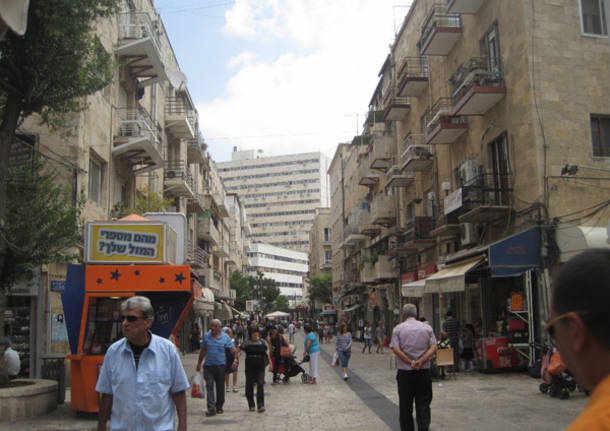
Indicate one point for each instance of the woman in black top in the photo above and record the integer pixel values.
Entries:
(257, 356)
(278, 340)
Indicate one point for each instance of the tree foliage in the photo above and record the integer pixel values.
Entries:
(321, 288)
(243, 291)
(147, 201)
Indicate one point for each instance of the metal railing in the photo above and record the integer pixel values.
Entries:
(417, 151)
(487, 189)
(438, 17)
(176, 106)
(139, 25)
(442, 108)
(179, 170)
(475, 71)
(419, 229)
(413, 67)
(137, 123)
(196, 254)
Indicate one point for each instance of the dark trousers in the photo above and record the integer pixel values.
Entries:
(214, 375)
(257, 377)
(414, 385)
(456, 355)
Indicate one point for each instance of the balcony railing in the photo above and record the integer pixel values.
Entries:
(178, 180)
(196, 255)
(439, 124)
(486, 197)
(396, 177)
(138, 139)
(366, 176)
(440, 31)
(207, 231)
(138, 25)
(196, 150)
(464, 6)
(476, 87)
(416, 157)
(181, 121)
(413, 75)
(383, 210)
(382, 154)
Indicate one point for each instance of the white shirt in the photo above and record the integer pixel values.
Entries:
(13, 363)
(291, 328)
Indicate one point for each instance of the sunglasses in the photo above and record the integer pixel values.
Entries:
(132, 319)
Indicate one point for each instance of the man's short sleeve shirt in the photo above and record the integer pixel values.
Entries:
(413, 338)
(215, 348)
(142, 398)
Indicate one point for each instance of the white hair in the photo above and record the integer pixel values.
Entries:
(409, 310)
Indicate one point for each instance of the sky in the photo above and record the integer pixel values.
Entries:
(281, 76)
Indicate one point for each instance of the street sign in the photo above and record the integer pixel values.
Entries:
(250, 305)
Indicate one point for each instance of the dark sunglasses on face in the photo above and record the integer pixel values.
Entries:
(131, 319)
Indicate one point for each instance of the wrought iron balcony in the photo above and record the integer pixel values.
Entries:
(440, 31)
(413, 75)
(396, 108)
(178, 180)
(485, 198)
(196, 204)
(396, 177)
(196, 256)
(139, 47)
(196, 150)
(416, 157)
(464, 6)
(138, 140)
(476, 87)
(447, 226)
(439, 124)
(180, 119)
(383, 151)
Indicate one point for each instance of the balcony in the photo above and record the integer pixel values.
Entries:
(486, 198)
(447, 226)
(222, 248)
(207, 231)
(367, 177)
(210, 279)
(396, 178)
(396, 108)
(196, 204)
(379, 270)
(383, 210)
(440, 31)
(413, 76)
(196, 256)
(418, 234)
(466, 7)
(476, 87)
(178, 180)
(382, 154)
(416, 157)
(367, 227)
(439, 124)
(351, 231)
(180, 119)
(138, 140)
(373, 117)
(139, 47)
(196, 150)
(367, 271)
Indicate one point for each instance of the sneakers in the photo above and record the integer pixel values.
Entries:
(261, 409)
(252, 409)
(345, 377)
(235, 390)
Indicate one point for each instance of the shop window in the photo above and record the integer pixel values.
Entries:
(600, 135)
(593, 17)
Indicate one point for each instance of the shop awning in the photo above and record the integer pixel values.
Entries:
(239, 313)
(207, 294)
(572, 240)
(452, 278)
(414, 289)
(202, 307)
(328, 313)
(352, 308)
(222, 311)
(516, 254)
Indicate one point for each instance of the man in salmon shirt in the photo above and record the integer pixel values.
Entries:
(579, 326)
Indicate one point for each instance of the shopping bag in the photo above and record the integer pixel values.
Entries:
(335, 360)
(196, 386)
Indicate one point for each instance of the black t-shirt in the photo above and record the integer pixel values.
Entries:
(255, 354)
(137, 351)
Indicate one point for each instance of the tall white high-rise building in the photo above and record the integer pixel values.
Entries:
(280, 194)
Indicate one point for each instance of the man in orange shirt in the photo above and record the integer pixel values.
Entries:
(580, 328)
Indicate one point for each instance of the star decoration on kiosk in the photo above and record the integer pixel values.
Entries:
(179, 278)
(114, 275)
(162, 280)
(99, 281)
(136, 272)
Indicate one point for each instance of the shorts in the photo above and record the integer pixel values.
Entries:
(367, 342)
(344, 357)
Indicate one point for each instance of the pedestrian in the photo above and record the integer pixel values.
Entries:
(195, 337)
(321, 332)
(414, 344)
(467, 339)
(452, 327)
(380, 337)
(368, 337)
(291, 330)
(277, 342)
(343, 345)
(312, 348)
(142, 382)
(213, 350)
(11, 357)
(443, 343)
(579, 326)
(257, 356)
(231, 364)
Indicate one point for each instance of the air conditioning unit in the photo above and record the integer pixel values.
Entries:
(468, 234)
(468, 171)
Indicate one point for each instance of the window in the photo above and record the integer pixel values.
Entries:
(326, 234)
(600, 135)
(328, 257)
(490, 48)
(96, 171)
(593, 17)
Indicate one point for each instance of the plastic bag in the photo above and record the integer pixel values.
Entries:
(196, 386)
(335, 360)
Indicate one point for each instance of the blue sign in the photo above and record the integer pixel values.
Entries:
(58, 285)
(516, 254)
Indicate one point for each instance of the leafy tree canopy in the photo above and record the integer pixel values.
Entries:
(243, 291)
(321, 288)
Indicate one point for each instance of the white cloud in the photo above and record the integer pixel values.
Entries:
(307, 99)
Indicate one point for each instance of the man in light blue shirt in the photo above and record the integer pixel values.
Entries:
(213, 348)
(142, 382)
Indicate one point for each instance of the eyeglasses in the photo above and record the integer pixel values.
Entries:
(550, 325)
(132, 319)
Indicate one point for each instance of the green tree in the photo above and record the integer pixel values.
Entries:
(47, 71)
(280, 303)
(321, 288)
(243, 291)
(147, 201)
(265, 290)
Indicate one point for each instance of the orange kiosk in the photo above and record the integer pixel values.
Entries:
(94, 293)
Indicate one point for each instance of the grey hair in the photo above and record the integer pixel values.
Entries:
(409, 310)
(216, 321)
(141, 302)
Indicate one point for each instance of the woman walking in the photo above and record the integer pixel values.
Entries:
(312, 348)
(257, 356)
(231, 364)
(278, 341)
(368, 337)
(344, 348)
(380, 336)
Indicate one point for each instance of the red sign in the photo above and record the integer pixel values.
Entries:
(373, 298)
(328, 307)
(426, 271)
(408, 277)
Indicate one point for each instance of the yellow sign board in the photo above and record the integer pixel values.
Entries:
(130, 242)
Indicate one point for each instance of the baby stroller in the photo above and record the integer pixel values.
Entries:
(293, 369)
(557, 380)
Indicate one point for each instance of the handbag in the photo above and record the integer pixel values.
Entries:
(285, 352)
(335, 360)
(306, 358)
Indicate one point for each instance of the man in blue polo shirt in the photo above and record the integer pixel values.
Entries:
(213, 348)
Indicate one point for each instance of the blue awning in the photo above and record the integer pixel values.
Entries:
(516, 254)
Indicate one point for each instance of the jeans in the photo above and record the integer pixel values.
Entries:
(214, 375)
(344, 357)
(257, 377)
(414, 385)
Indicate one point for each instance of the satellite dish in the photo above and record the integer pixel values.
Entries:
(177, 79)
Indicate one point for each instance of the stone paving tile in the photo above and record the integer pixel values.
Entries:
(510, 402)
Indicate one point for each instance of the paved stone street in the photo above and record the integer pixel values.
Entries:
(369, 400)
